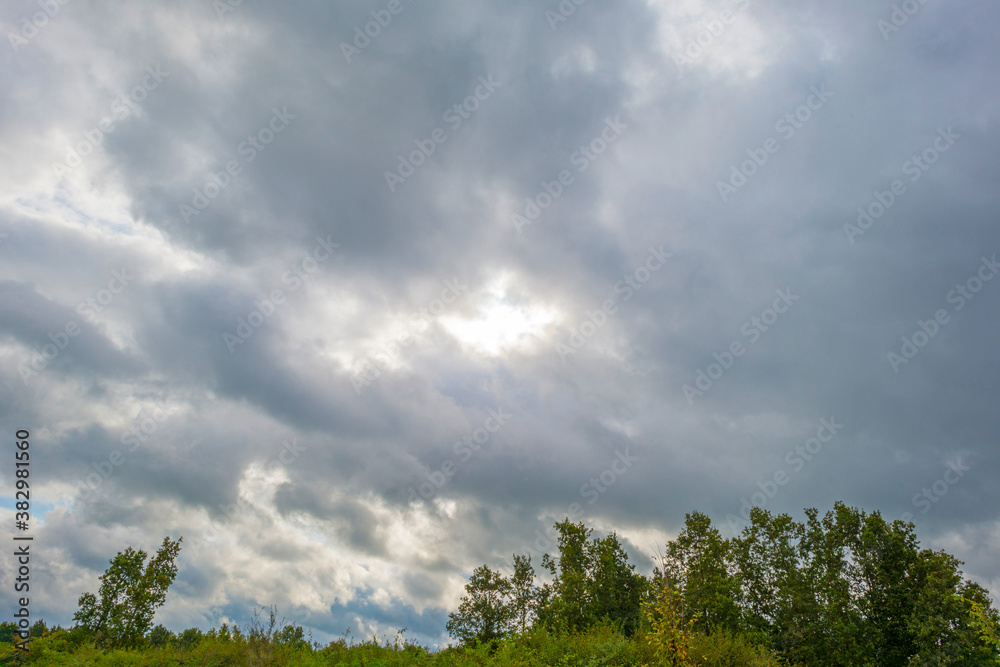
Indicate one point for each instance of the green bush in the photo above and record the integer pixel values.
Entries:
(725, 649)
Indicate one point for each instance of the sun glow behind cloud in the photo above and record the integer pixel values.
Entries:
(501, 324)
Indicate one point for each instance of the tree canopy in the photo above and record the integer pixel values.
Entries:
(121, 613)
(846, 589)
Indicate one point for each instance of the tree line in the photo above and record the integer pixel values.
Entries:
(847, 589)
(841, 590)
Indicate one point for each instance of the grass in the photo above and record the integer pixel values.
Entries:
(599, 647)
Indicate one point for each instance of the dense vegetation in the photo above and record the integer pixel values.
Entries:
(847, 589)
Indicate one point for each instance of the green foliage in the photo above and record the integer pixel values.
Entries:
(729, 649)
(485, 614)
(699, 564)
(984, 620)
(669, 634)
(852, 589)
(189, 638)
(523, 594)
(160, 636)
(8, 632)
(37, 629)
(122, 612)
(592, 583)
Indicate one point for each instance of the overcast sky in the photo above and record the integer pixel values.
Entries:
(356, 297)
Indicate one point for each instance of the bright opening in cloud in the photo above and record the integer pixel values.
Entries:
(501, 323)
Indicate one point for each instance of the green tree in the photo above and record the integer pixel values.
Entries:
(777, 595)
(293, 636)
(8, 632)
(616, 591)
(37, 629)
(485, 612)
(160, 636)
(524, 594)
(122, 612)
(592, 581)
(698, 563)
(985, 620)
(941, 625)
(189, 638)
(568, 595)
(669, 635)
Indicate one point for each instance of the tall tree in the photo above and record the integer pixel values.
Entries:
(698, 564)
(121, 614)
(616, 590)
(485, 612)
(592, 581)
(523, 593)
(568, 595)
